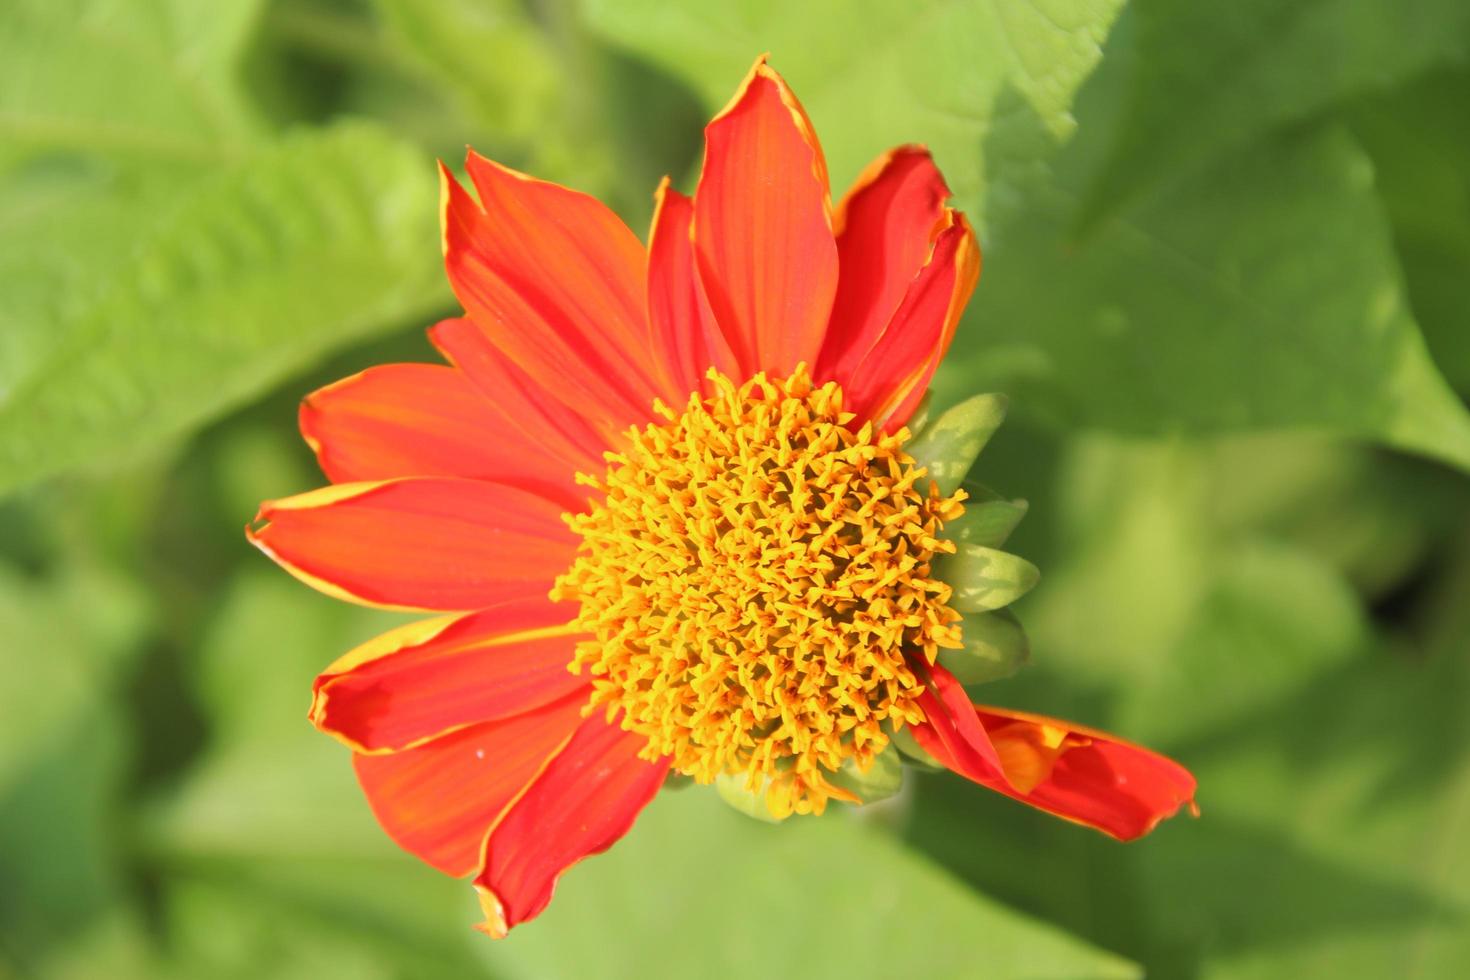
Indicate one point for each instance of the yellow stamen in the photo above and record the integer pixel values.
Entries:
(753, 580)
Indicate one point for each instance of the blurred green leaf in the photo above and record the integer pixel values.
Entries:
(1419, 139)
(246, 276)
(1263, 294)
(149, 81)
(67, 644)
(1207, 78)
(698, 890)
(490, 54)
(949, 75)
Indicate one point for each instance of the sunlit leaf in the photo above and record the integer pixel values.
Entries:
(242, 277)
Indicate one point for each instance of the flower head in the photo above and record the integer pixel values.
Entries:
(670, 509)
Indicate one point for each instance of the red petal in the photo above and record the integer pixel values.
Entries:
(1077, 773)
(562, 433)
(420, 543)
(685, 334)
(886, 226)
(763, 228)
(424, 679)
(952, 733)
(587, 798)
(437, 800)
(556, 281)
(423, 420)
(889, 382)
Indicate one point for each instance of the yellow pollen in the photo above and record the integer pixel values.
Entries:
(755, 581)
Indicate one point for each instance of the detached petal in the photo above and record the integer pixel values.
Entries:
(586, 799)
(423, 420)
(431, 544)
(556, 281)
(683, 330)
(437, 800)
(763, 227)
(886, 226)
(424, 679)
(1077, 773)
(889, 382)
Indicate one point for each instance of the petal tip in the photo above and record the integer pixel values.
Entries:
(495, 925)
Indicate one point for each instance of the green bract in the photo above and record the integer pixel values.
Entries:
(985, 578)
(949, 445)
(883, 779)
(995, 648)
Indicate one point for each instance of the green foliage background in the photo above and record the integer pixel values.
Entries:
(1227, 276)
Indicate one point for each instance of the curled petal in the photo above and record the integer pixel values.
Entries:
(556, 281)
(424, 679)
(419, 544)
(587, 798)
(682, 325)
(422, 420)
(886, 226)
(763, 227)
(438, 799)
(888, 383)
(1077, 773)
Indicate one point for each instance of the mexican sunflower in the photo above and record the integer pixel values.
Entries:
(668, 505)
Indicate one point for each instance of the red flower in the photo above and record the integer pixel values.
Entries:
(739, 582)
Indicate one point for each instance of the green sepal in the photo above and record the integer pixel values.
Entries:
(949, 445)
(883, 779)
(987, 523)
(752, 803)
(985, 578)
(909, 748)
(995, 648)
(919, 418)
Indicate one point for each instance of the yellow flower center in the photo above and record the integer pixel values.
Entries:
(754, 580)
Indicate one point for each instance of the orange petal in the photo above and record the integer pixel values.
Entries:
(886, 226)
(424, 679)
(437, 800)
(585, 800)
(763, 227)
(556, 281)
(419, 543)
(562, 433)
(685, 335)
(888, 383)
(1077, 773)
(424, 420)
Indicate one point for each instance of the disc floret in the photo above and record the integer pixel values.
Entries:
(755, 576)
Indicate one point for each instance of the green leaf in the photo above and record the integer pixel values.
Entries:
(985, 578)
(950, 75)
(696, 890)
(244, 277)
(1264, 294)
(1208, 78)
(949, 445)
(1419, 139)
(995, 648)
(489, 54)
(987, 523)
(138, 82)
